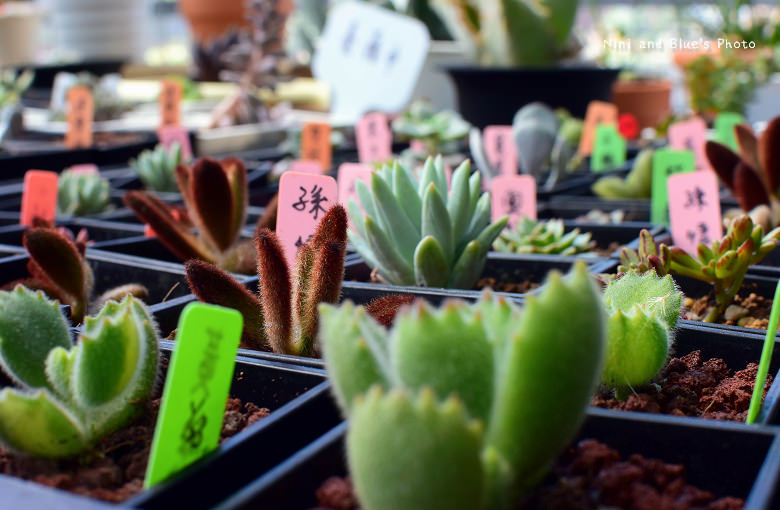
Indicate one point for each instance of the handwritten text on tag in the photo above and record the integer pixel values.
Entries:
(80, 110)
(170, 103)
(315, 144)
(690, 135)
(374, 138)
(513, 195)
(694, 209)
(500, 149)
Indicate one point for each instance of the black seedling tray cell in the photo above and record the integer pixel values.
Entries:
(637, 212)
(709, 451)
(99, 231)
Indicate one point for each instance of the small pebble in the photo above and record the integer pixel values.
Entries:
(735, 312)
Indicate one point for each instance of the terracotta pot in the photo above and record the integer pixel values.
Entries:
(647, 100)
(211, 18)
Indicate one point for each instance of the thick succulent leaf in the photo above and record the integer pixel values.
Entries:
(356, 217)
(441, 176)
(275, 291)
(362, 247)
(30, 327)
(396, 224)
(458, 17)
(171, 233)
(475, 188)
(748, 188)
(560, 16)
(354, 363)
(236, 175)
(332, 228)
(446, 350)
(436, 221)
(364, 194)
(391, 264)
(214, 212)
(769, 155)
(431, 267)
(468, 267)
(529, 433)
(211, 284)
(515, 35)
(428, 176)
(655, 296)
(406, 191)
(491, 232)
(479, 220)
(414, 454)
(637, 347)
(477, 150)
(115, 365)
(118, 293)
(59, 367)
(748, 146)
(534, 129)
(301, 280)
(36, 424)
(459, 201)
(723, 160)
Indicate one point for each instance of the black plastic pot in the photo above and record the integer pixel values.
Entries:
(492, 95)
(302, 409)
(709, 451)
(572, 207)
(99, 231)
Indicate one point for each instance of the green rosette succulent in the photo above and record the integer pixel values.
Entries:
(466, 406)
(416, 233)
(71, 395)
(82, 193)
(156, 168)
(543, 236)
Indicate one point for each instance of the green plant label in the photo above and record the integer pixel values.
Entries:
(667, 162)
(196, 389)
(724, 129)
(609, 149)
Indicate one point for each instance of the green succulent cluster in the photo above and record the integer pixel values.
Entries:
(12, 86)
(467, 406)
(637, 184)
(647, 256)
(70, 395)
(82, 193)
(642, 312)
(416, 233)
(543, 236)
(439, 132)
(156, 168)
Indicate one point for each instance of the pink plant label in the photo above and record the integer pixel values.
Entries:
(349, 174)
(170, 134)
(39, 197)
(88, 168)
(306, 167)
(303, 201)
(417, 146)
(513, 195)
(690, 135)
(374, 138)
(500, 149)
(694, 209)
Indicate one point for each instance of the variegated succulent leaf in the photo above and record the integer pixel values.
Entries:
(543, 236)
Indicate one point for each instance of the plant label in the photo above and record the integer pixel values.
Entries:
(39, 196)
(500, 149)
(598, 112)
(80, 111)
(371, 57)
(306, 167)
(628, 125)
(303, 201)
(609, 149)
(87, 168)
(694, 209)
(690, 135)
(167, 135)
(374, 138)
(315, 144)
(666, 162)
(724, 129)
(349, 174)
(196, 389)
(513, 195)
(170, 103)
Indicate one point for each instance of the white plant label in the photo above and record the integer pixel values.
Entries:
(371, 58)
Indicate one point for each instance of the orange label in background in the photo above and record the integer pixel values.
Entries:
(598, 112)
(39, 197)
(80, 110)
(315, 144)
(170, 103)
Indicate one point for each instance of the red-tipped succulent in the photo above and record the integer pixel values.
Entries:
(283, 318)
(215, 195)
(58, 267)
(752, 174)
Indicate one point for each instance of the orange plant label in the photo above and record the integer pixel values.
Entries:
(170, 103)
(39, 197)
(598, 112)
(315, 144)
(79, 118)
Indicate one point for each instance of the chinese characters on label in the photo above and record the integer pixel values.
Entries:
(315, 144)
(690, 135)
(303, 200)
(609, 149)
(170, 101)
(513, 195)
(374, 138)
(80, 110)
(39, 198)
(500, 148)
(694, 209)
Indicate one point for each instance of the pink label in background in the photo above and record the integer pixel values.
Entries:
(374, 138)
(169, 134)
(513, 195)
(39, 196)
(88, 168)
(691, 135)
(303, 201)
(694, 209)
(348, 174)
(306, 167)
(500, 148)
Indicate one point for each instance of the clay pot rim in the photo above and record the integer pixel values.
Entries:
(649, 85)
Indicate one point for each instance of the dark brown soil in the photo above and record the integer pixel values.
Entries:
(748, 310)
(503, 286)
(116, 470)
(693, 387)
(589, 476)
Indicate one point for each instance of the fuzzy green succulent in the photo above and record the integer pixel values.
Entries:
(82, 193)
(543, 236)
(642, 312)
(70, 395)
(156, 168)
(467, 406)
(415, 233)
(636, 185)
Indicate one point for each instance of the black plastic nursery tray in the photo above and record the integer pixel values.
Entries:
(99, 231)
(723, 458)
(301, 410)
(637, 212)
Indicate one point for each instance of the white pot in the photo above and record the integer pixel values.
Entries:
(98, 29)
(18, 33)
(434, 83)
